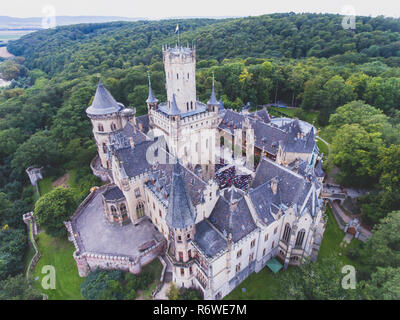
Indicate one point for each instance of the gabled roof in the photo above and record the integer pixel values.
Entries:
(181, 212)
(319, 172)
(103, 102)
(209, 240)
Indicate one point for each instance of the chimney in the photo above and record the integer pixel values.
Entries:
(131, 143)
(274, 185)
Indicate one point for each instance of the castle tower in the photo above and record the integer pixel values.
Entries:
(181, 218)
(104, 113)
(180, 74)
(152, 101)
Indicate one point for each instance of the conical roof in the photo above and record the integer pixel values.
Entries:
(174, 108)
(151, 98)
(181, 212)
(213, 100)
(103, 102)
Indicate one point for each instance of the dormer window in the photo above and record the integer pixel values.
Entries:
(100, 127)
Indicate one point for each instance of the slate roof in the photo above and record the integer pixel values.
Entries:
(120, 139)
(103, 102)
(209, 241)
(292, 187)
(151, 98)
(267, 137)
(181, 212)
(294, 143)
(144, 121)
(238, 221)
(264, 202)
(213, 99)
(261, 115)
(319, 172)
(113, 193)
(174, 111)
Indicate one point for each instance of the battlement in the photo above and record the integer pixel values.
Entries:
(179, 54)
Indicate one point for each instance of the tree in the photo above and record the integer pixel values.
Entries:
(53, 209)
(173, 292)
(103, 285)
(355, 151)
(384, 284)
(12, 248)
(17, 288)
(383, 248)
(320, 280)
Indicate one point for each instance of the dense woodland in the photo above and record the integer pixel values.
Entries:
(350, 77)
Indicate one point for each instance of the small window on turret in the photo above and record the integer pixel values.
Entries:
(100, 127)
(177, 76)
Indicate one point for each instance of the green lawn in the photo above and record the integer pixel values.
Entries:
(265, 284)
(45, 185)
(154, 267)
(58, 253)
(309, 116)
(323, 147)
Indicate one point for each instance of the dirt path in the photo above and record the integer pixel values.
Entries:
(62, 181)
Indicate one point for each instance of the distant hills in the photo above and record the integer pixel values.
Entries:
(35, 23)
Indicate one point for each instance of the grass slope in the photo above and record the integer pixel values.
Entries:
(58, 253)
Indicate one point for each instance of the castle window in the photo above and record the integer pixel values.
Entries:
(100, 127)
(190, 270)
(123, 209)
(104, 148)
(113, 210)
(188, 75)
(266, 237)
(179, 238)
(159, 213)
(182, 272)
(191, 105)
(188, 236)
(300, 238)
(113, 127)
(190, 254)
(273, 244)
(251, 257)
(238, 267)
(137, 192)
(239, 253)
(264, 252)
(180, 256)
(253, 243)
(177, 76)
(140, 209)
(187, 106)
(286, 233)
(275, 230)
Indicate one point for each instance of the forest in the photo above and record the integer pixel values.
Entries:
(351, 78)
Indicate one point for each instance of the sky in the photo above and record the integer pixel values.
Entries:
(159, 9)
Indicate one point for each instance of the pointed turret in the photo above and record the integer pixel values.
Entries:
(151, 98)
(181, 212)
(213, 99)
(103, 102)
(174, 111)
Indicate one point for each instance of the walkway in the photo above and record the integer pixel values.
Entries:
(162, 294)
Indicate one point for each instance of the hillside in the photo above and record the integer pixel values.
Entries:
(102, 46)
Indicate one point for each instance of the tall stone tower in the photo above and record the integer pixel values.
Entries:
(180, 74)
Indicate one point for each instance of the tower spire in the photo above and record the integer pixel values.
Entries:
(213, 100)
(151, 98)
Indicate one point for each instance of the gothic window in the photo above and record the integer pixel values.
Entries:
(188, 75)
(266, 237)
(286, 233)
(182, 272)
(264, 252)
(123, 209)
(190, 254)
(273, 244)
(239, 253)
(191, 105)
(238, 267)
(275, 230)
(187, 106)
(177, 76)
(140, 209)
(137, 192)
(251, 257)
(190, 270)
(113, 210)
(300, 238)
(104, 148)
(100, 127)
(253, 243)
(180, 256)
(159, 213)
(113, 127)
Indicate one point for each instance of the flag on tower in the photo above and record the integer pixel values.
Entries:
(177, 28)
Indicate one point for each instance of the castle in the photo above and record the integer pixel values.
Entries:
(217, 193)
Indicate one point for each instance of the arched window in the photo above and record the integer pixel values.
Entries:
(187, 106)
(113, 127)
(140, 209)
(100, 127)
(123, 209)
(104, 148)
(191, 105)
(177, 76)
(113, 210)
(300, 238)
(286, 233)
